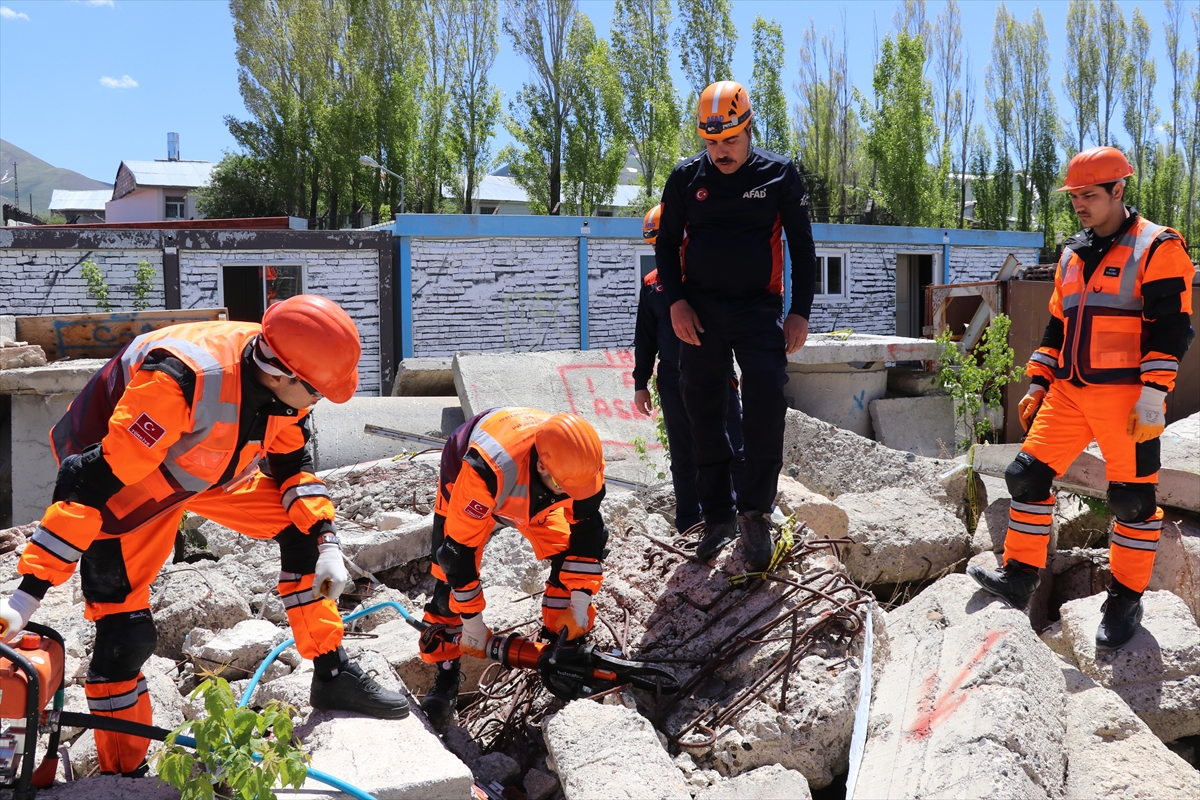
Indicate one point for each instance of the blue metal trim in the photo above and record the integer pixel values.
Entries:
(583, 293)
(787, 275)
(405, 323)
(540, 227)
(945, 263)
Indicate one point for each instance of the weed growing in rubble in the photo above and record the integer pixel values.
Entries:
(660, 433)
(976, 379)
(143, 285)
(240, 753)
(97, 288)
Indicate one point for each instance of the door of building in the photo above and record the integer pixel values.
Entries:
(914, 271)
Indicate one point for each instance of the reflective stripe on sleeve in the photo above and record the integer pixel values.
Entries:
(55, 545)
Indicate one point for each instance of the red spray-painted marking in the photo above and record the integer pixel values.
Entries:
(933, 713)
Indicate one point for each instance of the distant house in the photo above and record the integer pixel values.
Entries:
(80, 207)
(158, 190)
(499, 194)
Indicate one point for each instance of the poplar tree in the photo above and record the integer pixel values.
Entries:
(1111, 41)
(1081, 78)
(964, 130)
(475, 100)
(910, 17)
(946, 44)
(1192, 142)
(1180, 59)
(640, 42)
(705, 37)
(1001, 84)
(1138, 78)
(442, 35)
(1034, 113)
(595, 135)
(771, 126)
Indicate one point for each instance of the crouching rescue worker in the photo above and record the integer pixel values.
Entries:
(1119, 324)
(654, 337)
(542, 474)
(182, 419)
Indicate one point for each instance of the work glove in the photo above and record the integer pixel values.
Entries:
(15, 612)
(475, 636)
(577, 617)
(331, 575)
(1028, 406)
(1148, 417)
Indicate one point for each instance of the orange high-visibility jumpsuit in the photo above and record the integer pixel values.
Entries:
(1123, 327)
(161, 430)
(486, 478)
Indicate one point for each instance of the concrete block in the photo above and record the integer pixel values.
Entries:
(338, 439)
(8, 328)
(822, 515)
(424, 377)
(34, 468)
(57, 378)
(610, 752)
(108, 787)
(1177, 562)
(496, 767)
(914, 383)
(921, 425)
(1157, 672)
(15, 357)
(765, 783)
(840, 394)
(969, 703)
(596, 384)
(242, 647)
(832, 348)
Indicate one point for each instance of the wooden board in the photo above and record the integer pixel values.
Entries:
(102, 335)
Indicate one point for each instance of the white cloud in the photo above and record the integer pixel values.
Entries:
(8, 13)
(124, 82)
(106, 3)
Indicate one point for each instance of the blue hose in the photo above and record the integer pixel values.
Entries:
(316, 775)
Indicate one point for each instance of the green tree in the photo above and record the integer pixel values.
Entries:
(539, 31)
(475, 101)
(242, 186)
(900, 132)
(640, 39)
(1141, 114)
(771, 125)
(442, 22)
(1081, 79)
(535, 157)
(1191, 138)
(706, 38)
(1112, 42)
(595, 138)
(910, 17)
(1034, 113)
(946, 44)
(964, 140)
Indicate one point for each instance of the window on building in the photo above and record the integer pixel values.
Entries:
(646, 265)
(831, 274)
(604, 212)
(489, 209)
(174, 208)
(250, 289)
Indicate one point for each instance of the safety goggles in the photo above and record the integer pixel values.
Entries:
(269, 363)
(650, 233)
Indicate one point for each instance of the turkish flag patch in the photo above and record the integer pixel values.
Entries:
(476, 509)
(146, 430)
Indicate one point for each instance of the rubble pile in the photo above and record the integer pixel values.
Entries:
(968, 697)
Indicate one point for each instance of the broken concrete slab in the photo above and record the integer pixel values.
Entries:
(496, 767)
(1177, 562)
(603, 751)
(820, 514)
(233, 652)
(914, 383)
(424, 377)
(771, 782)
(539, 785)
(840, 394)
(1112, 753)
(63, 377)
(836, 348)
(1157, 672)
(1080, 522)
(921, 425)
(969, 703)
(338, 438)
(508, 560)
(900, 535)
(14, 356)
(181, 601)
(596, 384)
(377, 550)
(110, 787)
(992, 528)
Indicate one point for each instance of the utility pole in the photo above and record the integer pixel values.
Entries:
(16, 188)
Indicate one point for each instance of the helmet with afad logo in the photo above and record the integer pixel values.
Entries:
(650, 224)
(723, 111)
(569, 448)
(1095, 166)
(312, 338)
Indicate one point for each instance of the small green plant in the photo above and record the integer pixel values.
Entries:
(975, 379)
(97, 288)
(143, 285)
(240, 753)
(660, 422)
(643, 453)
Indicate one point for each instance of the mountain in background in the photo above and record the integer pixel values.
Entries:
(38, 178)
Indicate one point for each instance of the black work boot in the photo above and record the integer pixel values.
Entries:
(1122, 615)
(441, 701)
(1016, 583)
(716, 536)
(351, 689)
(756, 540)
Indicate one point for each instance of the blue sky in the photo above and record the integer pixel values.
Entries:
(86, 84)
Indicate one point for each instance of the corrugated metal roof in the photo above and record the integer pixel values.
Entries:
(501, 188)
(90, 200)
(184, 174)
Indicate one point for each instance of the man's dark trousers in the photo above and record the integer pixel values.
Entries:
(751, 329)
(683, 459)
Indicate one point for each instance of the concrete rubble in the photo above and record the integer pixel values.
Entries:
(966, 699)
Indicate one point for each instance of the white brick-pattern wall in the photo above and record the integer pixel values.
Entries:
(613, 284)
(36, 282)
(970, 264)
(350, 278)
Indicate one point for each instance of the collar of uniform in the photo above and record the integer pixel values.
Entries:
(1086, 243)
(256, 397)
(540, 497)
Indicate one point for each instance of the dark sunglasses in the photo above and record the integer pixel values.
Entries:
(308, 387)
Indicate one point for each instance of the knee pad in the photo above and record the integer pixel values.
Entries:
(439, 603)
(1132, 502)
(123, 643)
(1029, 480)
(297, 551)
(457, 561)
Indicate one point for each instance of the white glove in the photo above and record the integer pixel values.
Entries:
(331, 575)
(1147, 419)
(578, 616)
(475, 636)
(15, 612)
(1028, 406)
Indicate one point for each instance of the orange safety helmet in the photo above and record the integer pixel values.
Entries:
(569, 447)
(316, 341)
(650, 224)
(723, 111)
(1095, 166)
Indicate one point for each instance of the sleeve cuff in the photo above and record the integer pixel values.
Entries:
(1038, 380)
(33, 585)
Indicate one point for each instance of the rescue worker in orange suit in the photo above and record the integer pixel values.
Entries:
(1119, 324)
(542, 474)
(734, 201)
(655, 337)
(182, 419)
